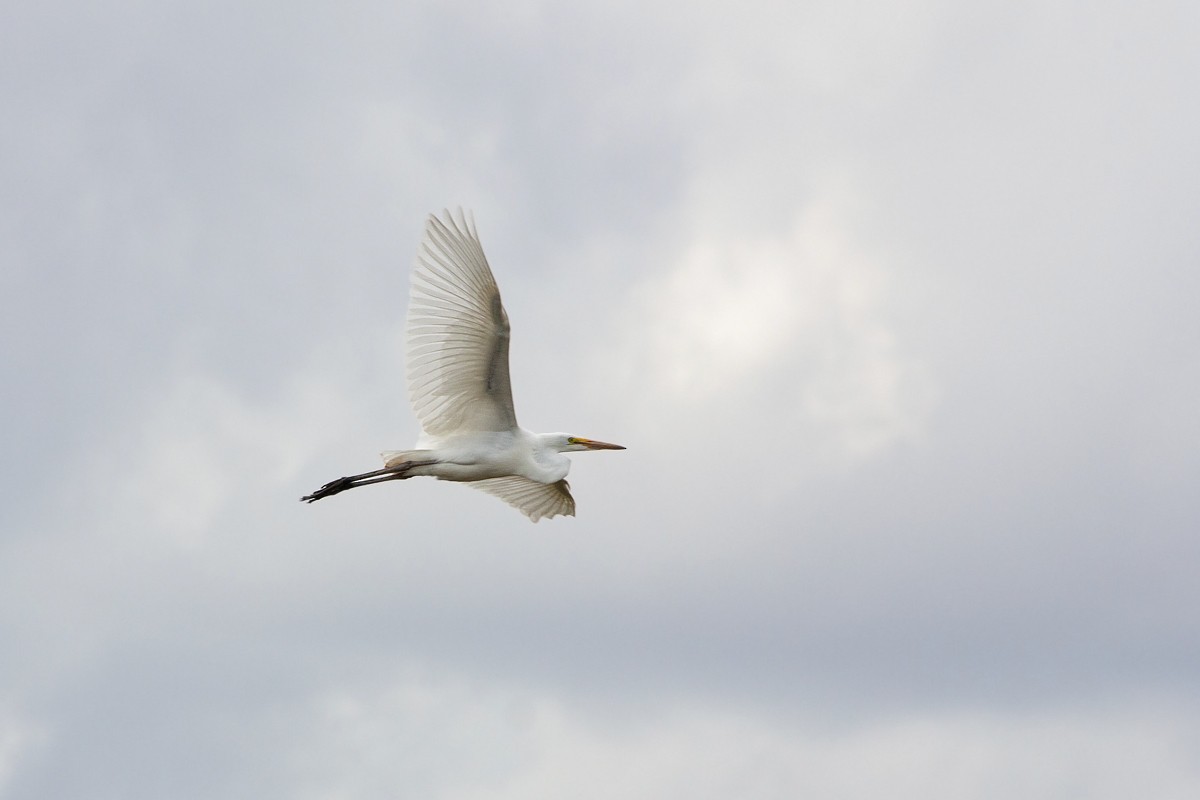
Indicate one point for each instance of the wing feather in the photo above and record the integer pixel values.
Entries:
(458, 334)
(534, 500)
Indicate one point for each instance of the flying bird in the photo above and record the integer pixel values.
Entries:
(458, 384)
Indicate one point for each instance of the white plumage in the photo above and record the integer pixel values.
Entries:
(458, 384)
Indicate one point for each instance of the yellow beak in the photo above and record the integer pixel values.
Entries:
(591, 444)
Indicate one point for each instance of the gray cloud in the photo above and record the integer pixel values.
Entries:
(893, 308)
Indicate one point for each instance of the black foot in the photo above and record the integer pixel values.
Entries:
(333, 487)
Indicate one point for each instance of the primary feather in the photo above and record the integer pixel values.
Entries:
(458, 335)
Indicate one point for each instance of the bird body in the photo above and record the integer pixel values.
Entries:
(457, 361)
(487, 454)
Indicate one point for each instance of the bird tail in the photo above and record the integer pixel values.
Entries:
(394, 458)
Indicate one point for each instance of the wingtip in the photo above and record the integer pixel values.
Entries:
(459, 219)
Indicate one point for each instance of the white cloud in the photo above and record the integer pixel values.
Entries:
(393, 738)
(792, 329)
(20, 738)
(200, 446)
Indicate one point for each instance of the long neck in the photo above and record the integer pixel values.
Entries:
(548, 459)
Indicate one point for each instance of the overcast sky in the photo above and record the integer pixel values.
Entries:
(893, 304)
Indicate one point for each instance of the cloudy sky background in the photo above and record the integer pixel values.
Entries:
(894, 305)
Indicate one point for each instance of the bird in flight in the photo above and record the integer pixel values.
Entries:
(458, 384)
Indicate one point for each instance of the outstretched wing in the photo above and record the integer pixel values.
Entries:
(457, 349)
(534, 500)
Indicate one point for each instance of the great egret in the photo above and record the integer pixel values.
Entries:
(457, 354)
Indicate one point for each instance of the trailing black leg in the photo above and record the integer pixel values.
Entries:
(397, 472)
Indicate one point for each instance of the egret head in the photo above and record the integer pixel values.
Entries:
(565, 443)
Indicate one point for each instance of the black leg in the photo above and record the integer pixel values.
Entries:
(398, 472)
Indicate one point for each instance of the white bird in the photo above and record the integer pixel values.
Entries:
(458, 384)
